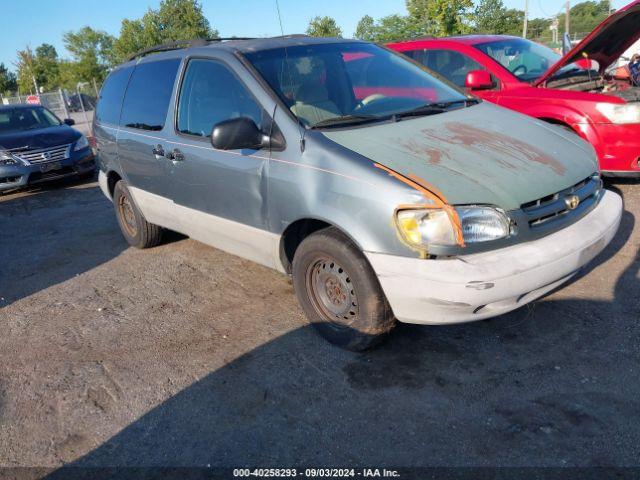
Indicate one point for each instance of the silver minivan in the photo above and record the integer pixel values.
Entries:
(386, 192)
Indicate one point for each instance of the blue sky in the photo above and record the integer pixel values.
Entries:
(32, 22)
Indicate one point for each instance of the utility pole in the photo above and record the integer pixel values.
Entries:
(35, 84)
(526, 19)
(566, 16)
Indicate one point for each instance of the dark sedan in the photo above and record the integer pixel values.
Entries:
(36, 146)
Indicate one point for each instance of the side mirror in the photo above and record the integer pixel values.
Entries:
(69, 121)
(479, 80)
(238, 133)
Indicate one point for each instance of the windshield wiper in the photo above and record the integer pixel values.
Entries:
(345, 120)
(435, 107)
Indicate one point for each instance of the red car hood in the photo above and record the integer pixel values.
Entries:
(606, 43)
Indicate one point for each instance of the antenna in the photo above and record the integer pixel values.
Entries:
(286, 59)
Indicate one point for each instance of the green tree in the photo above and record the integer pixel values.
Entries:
(514, 21)
(366, 29)
(389, 29)
(441, 17)
(92, 54)
(323, 27)
(585, 16)
(490, 17)
(8, 81)
(46, 66)
(26, 70)
(173, 20)
(538, 28)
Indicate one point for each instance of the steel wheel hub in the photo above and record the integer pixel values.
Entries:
(331, 290)
(127, 215)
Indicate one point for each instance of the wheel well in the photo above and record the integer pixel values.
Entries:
(112, 179)
(293, 237)
(559, 123)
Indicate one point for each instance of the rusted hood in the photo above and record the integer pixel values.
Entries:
(481, 154)
(606, 43)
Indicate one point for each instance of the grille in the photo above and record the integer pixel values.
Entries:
(44, 155)
(549, 210)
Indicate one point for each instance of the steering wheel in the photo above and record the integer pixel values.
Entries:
(520, 67)
(367, 100)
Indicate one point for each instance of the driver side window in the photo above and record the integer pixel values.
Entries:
(210, 94)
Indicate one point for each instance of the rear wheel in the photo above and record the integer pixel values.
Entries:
(339, 291)
(136, 230)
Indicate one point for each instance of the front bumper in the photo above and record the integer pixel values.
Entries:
(18, 176)
(619, 150)
(473, 287)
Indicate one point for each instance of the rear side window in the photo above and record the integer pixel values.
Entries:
(111, 95)
(210, 94)
(148, 95)
(453, 66)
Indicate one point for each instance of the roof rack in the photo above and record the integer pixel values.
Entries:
(292, 35)
(178, 44)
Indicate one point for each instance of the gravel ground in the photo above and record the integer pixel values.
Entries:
(183, 355)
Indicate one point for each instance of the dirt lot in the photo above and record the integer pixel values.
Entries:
(184, 355)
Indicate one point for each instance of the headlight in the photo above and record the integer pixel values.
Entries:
(7, 159)
(424, 227)
(483, 224)
(81, 143)
(621, 114)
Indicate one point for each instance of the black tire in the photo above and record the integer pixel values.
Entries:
(339, 291)
(136, 230)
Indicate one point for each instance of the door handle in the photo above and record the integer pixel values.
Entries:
(175, 155)
(158, 151)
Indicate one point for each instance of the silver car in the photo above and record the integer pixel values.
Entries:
(386, 192)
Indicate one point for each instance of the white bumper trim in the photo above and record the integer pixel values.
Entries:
(482, 285)
(104, 184)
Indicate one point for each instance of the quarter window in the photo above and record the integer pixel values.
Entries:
(453, 66)
(148, 94)
(111, 95)
(210, 94)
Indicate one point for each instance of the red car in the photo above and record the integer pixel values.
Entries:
(574, 91)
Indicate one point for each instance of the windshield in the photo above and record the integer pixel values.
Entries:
(18, 119)
(525, 59)
(350, 82)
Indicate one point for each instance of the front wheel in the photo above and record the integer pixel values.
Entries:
(339, 291)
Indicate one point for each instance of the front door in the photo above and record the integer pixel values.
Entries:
(229, 185)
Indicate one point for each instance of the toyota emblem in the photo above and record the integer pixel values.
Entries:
(572, 201)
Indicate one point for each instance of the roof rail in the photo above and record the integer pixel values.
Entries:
(292, 35)
(178, 44)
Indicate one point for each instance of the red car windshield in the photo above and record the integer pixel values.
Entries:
(525, 59)
(349, 81)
